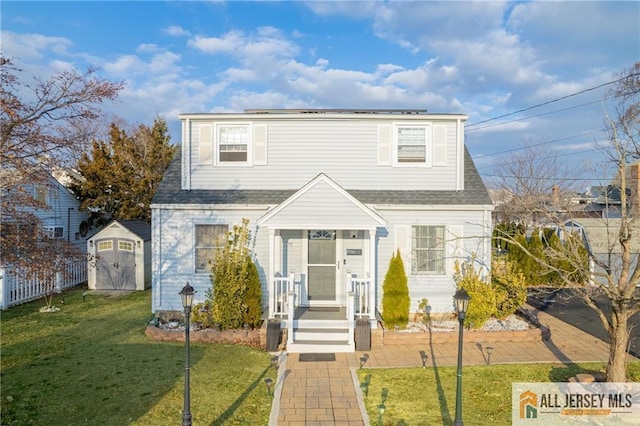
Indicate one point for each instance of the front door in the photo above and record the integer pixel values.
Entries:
(322, 268)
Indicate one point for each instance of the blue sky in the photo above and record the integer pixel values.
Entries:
(483, 59)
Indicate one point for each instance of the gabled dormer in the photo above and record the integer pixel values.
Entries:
(360, 149)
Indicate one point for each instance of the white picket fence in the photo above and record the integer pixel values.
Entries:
(15, 288)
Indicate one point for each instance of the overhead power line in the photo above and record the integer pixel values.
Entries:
(540, 115)
(591, 132)
(552, 101)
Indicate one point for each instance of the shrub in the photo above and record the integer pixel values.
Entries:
(236, 289)
(202, 313)
(510, 288)
(483, 299)
(395, 294)
(423, 315)
(253, 296)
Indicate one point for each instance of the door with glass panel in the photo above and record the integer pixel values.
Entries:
(115, 264)
(322, 268)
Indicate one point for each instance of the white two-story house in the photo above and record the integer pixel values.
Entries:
(330, 195)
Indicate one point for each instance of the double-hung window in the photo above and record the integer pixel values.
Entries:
(41, 194)
(412, 144)
(208, 239)
(428, 250)
(233, 144)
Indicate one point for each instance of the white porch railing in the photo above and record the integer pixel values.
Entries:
(282, 286)
(16, 288)
(350, 306)
(361, 289)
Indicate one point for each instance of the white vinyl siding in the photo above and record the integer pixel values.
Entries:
(233, 144)
(358, 155)
(209, 238)
(412, 145)
(428, 250)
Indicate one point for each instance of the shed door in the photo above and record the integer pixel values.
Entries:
(115, 264)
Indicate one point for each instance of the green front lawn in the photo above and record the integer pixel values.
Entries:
(427, 396)
(91, 363)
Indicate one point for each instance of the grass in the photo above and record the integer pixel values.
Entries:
(426, 396)
(91, 363)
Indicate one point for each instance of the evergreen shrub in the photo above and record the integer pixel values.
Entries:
(395, 294)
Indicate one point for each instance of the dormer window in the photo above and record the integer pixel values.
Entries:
(233, 144)
(412, 145)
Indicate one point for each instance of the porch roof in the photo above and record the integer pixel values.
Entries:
(324, 198)
(170, 192)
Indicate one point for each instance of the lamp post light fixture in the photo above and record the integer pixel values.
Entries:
(424, 358)
(489, 352)
(381, 409)
(186, 294)
(268, 382)
(461, 299)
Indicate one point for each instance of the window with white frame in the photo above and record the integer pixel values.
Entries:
(412, 145)
(208, 239)
(41, 193)
(428, 250)
(233, 143)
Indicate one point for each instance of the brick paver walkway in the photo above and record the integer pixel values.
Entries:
(328, 393)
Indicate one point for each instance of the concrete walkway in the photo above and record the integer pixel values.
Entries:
(328, 392)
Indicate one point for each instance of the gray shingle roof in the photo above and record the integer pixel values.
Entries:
(169, 192)
(139, 227)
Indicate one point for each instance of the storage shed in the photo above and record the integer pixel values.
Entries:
(120, 256)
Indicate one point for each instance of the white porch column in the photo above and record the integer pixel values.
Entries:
(373, 269)
(270, 272)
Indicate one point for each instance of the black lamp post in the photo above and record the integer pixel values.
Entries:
(186, 294)
(461, 299)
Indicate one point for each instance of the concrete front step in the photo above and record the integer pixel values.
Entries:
(320, 346)
(321, 334)
(319, 323)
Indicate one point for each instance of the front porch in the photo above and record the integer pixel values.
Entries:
(322, 253)
(322, 329)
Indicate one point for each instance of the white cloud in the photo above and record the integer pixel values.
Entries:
(228, 43)
(148, 48)
(33, 46)
(125, 65)
(177, 31)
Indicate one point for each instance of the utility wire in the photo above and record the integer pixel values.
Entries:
(537, 144)
(555, 179)
(540, 115)
(552, 100)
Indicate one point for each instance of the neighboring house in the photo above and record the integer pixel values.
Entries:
(601, 240)
(61, 220)
(606, 201)
(330, 196)
(62, 217)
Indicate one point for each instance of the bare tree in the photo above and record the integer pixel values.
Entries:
(613, 254)
(532, 183)
(42, 123)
